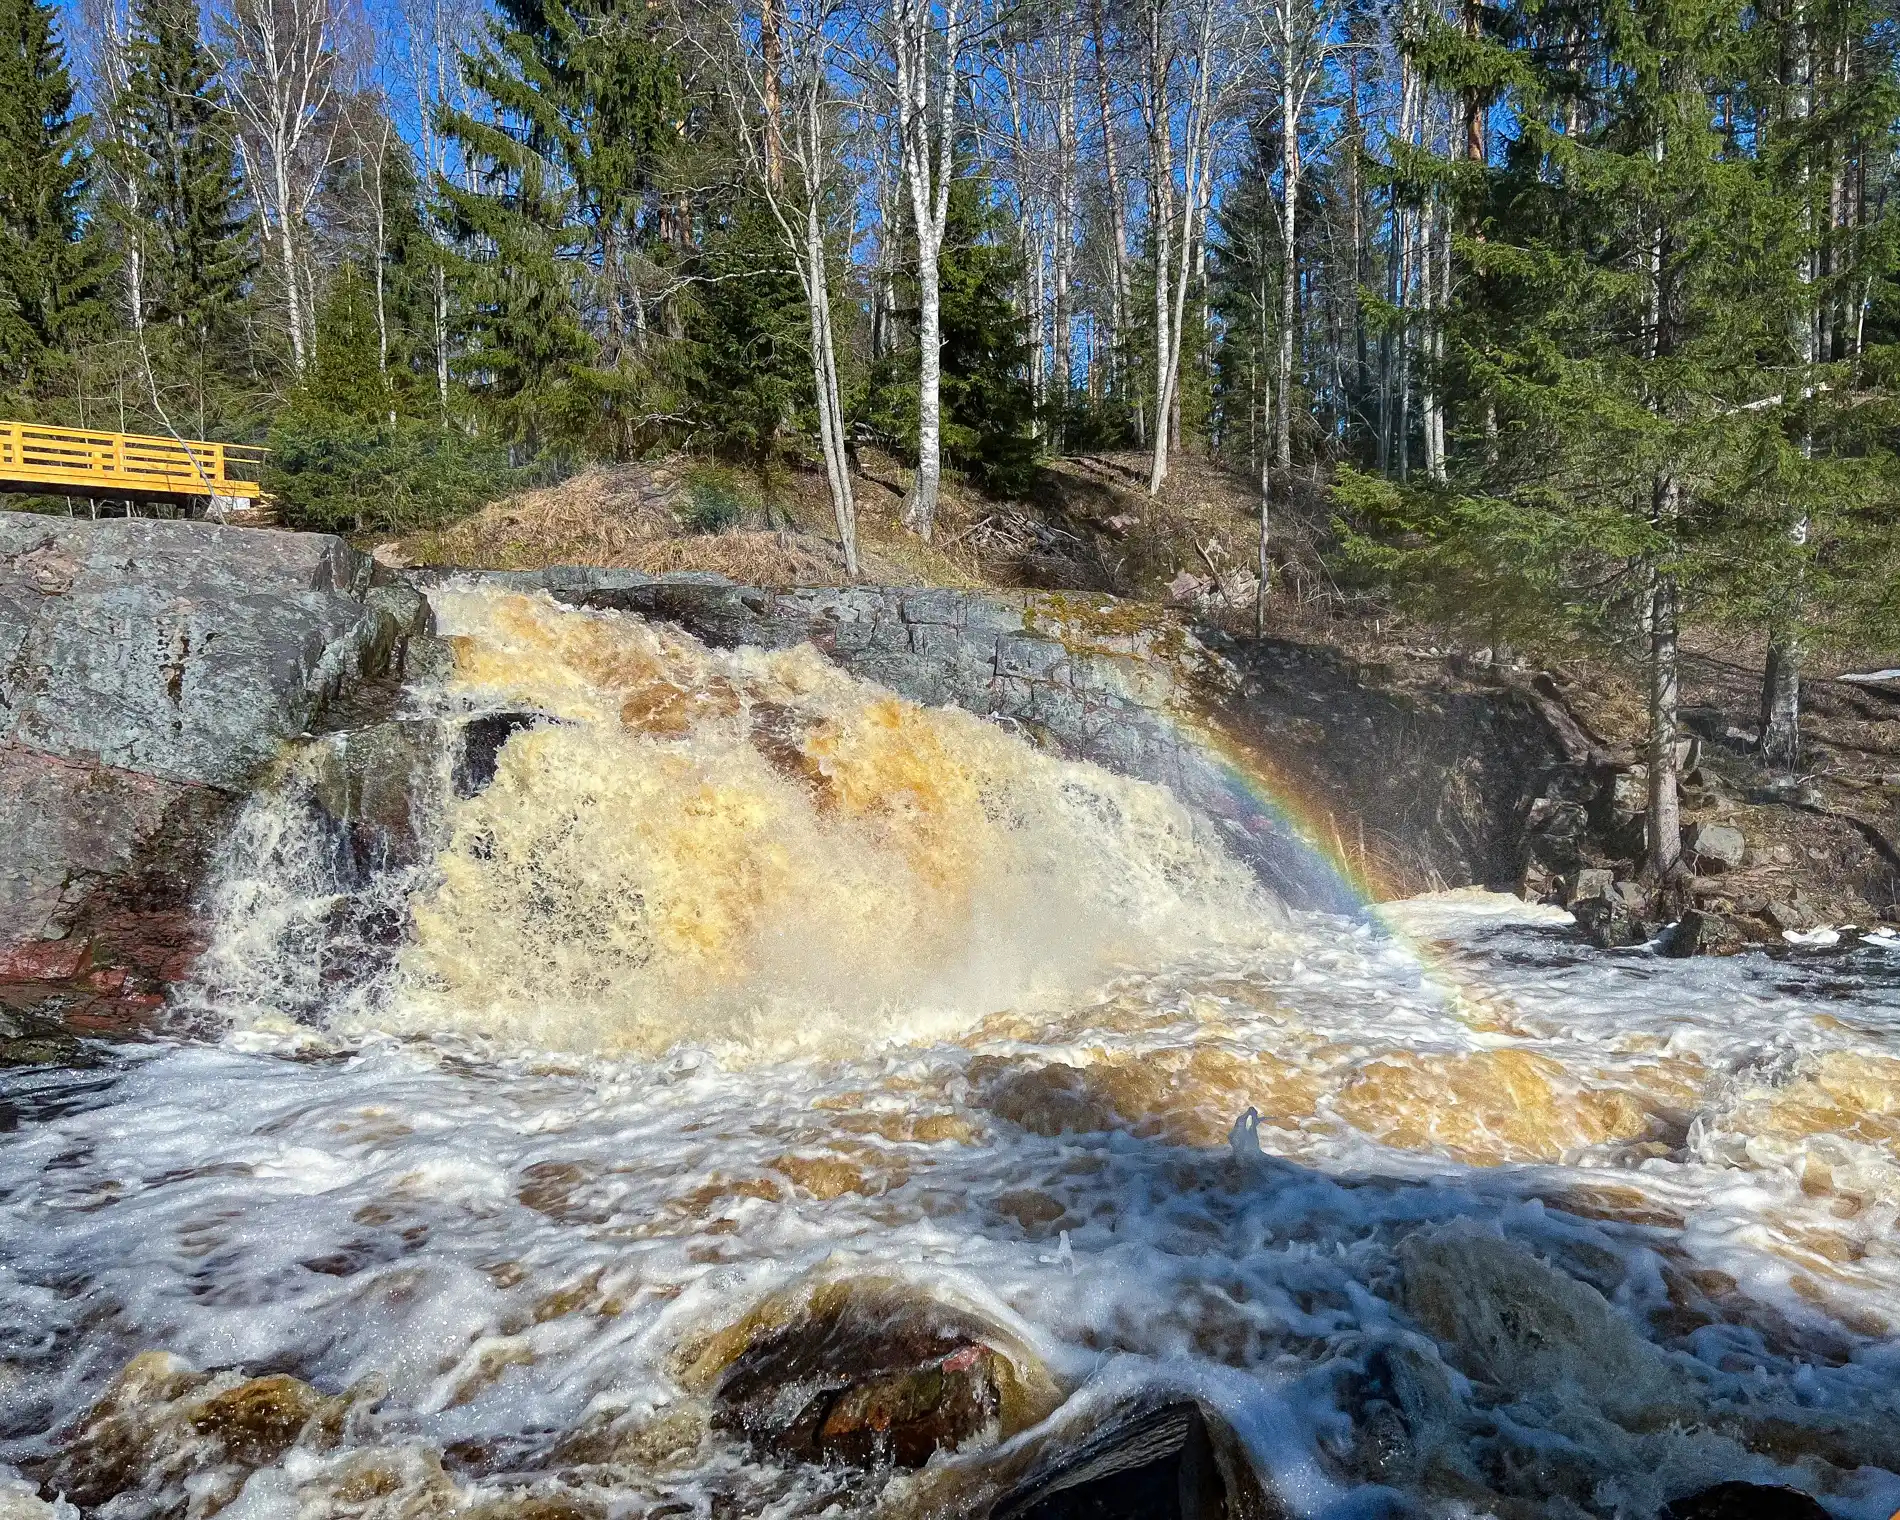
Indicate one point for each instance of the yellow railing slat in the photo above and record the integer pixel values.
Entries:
(32, 455)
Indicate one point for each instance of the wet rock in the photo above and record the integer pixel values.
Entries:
(29, 1041)
(1165, 1456)
(1612, 914)
(429, 659)
(1610, 922)
(1511, 1321)
(479, 752)
(97, 886)
(1407, 1418)
(867, 1374)
(149, 674)
(163, 1427)
(1701, 931)
(1744, 1501)
(862, 1396)
(1591, 882)
(1714, 847)
(370, 784)
(1156, 1465)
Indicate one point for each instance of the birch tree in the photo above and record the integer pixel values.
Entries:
(1189, 70)
(431, 36)
(1301, 39)
(785, 78)
(1108, 119)
(926, 41)
(281, 70)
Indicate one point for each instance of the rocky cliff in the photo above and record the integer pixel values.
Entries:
(149, 672)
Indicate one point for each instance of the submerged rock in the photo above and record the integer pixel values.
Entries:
(868, 1373)
(1513, 1322)
(865, 1390)
(178, 1437)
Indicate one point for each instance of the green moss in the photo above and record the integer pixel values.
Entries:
(1095, 623)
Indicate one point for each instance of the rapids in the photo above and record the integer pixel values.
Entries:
(741, 982)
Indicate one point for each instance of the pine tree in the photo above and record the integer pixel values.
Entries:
(52, 266)
(178, 139)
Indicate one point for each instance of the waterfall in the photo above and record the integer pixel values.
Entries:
(749, 851)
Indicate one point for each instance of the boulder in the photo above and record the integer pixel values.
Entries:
(1745, 1501)
(149, 674)
(1521, 1326)
(1785, 917)
(867, 1373)
(1174, 1462)
(1714, 847)
(1592, 881)
(1612, 919)
(1701, 931)
(27, 1041)
(832, 1390)
(180, 650)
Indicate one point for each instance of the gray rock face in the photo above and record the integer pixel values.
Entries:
(182, 650)
(149, 670)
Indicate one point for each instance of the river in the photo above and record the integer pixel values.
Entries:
(743, 990)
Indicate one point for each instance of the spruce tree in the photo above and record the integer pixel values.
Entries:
(52, 266)
(989, 408)
(181, 155)
(1628, 264)
(584, 101)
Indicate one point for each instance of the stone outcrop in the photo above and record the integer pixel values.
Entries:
(1426, 778)
(149, 672)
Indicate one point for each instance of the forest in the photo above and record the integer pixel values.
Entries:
(1571, 318)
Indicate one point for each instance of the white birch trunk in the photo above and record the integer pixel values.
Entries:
(926, 121)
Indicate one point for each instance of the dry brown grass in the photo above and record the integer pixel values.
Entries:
(640, 517)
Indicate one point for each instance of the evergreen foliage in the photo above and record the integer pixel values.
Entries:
(584, 102)
(186, 211)
(745, 366)
(344, 457)
(989, 409)
(52, 266)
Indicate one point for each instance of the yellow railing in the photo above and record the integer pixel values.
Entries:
(92, 463)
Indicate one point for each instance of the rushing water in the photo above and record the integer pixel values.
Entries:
(741, 983)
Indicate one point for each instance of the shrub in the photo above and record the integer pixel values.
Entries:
(331, 471)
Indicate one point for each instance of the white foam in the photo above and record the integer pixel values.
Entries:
(520, 1242)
